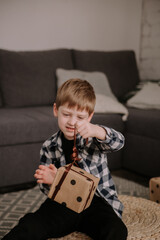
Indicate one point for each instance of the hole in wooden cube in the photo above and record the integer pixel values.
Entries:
(64, 204)
(79, 199)
(73, 182)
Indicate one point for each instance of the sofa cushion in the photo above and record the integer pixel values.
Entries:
(109, 120)
(26, 125)
(141, 155)
(18, 164)
(144, 123)
(119, 66)
(28, 78)
(1, 100)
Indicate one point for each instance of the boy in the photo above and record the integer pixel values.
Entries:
(74, 109)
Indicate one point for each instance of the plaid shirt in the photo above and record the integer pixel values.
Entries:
(93, 160)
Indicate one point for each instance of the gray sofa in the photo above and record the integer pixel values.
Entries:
(28, 88)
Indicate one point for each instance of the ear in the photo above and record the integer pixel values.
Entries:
(90, 116)
(55, 110)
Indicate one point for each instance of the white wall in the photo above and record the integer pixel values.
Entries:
(150, 41)
(80, 24)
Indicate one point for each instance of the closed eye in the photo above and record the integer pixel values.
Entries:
(80, 118)
(66, 114)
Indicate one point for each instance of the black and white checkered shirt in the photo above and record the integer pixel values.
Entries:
(93, 160)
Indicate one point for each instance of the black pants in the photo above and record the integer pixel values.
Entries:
(99, 221)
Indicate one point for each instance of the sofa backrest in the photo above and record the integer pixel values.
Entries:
(27, 78)
(119, 66)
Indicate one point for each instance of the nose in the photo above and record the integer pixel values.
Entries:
(72, 121)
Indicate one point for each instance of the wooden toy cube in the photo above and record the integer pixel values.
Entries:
(77, 188)
(154, 186)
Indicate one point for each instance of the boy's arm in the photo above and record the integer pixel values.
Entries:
(114, 140)
(107, 138)
(46, 171)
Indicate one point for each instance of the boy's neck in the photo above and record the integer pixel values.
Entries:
(65, 139)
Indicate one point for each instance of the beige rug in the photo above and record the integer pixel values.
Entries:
(141, 216)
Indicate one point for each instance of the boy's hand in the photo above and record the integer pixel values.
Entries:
(87, 129)
(45, 174)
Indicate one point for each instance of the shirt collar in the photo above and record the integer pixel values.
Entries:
(57, 141)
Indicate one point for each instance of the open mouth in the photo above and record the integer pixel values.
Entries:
(70, 129)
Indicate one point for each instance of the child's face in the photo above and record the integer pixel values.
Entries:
(68, 117)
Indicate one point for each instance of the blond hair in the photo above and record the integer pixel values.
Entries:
(76, 92)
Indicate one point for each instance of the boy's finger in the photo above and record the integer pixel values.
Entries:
(51, 166)
(42, 167)
(37, 176)
(76, 125)
(79, 124)
(40, 181)
(40, 172)
(81, 129)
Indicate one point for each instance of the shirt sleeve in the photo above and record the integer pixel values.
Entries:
(46, 160)
(114, 140)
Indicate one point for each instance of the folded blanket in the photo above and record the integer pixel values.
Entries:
(147, 98)
(106, 104)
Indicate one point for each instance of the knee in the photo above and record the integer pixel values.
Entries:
(116, 231)
(120, 231)
(123, 231)
(26, 219)
(30, 223)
